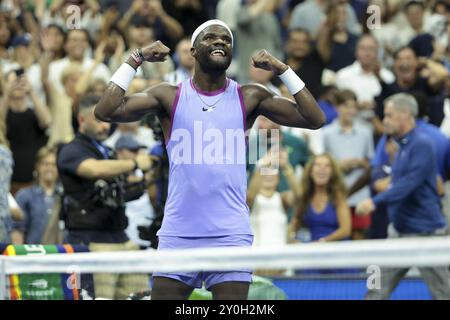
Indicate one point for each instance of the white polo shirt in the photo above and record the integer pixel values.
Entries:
(365, 85)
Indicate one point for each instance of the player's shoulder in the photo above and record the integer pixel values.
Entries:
(256, 90)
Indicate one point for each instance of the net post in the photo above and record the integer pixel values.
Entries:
(3, 278)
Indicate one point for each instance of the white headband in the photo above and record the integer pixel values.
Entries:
(208, 23)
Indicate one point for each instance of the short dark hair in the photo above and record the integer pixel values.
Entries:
(88, 102)
(59, 28)
(82, 30)
(397, 52)
(411, 3)
(302, 30)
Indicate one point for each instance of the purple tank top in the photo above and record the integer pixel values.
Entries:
(207, 157)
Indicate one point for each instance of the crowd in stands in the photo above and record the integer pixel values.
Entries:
(352, 55)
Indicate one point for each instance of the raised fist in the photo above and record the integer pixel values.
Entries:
(264, 60)
(155, 52)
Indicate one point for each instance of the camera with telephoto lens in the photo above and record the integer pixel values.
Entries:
(115, 193)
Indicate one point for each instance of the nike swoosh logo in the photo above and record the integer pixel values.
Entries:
(207, 109)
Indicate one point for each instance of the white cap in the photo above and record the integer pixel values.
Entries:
(208, 23)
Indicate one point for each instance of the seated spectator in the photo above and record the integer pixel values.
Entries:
(139, 211)
(351, 144)
(335, 44)
(413, 74)
(185, 62)
(323, 205)
(309, 15)
(26, 122)
(37, 201)
(304, 59)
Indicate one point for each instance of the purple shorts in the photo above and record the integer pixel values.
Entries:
(210, 278)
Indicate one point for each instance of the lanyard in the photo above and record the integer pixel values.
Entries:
(103, 150)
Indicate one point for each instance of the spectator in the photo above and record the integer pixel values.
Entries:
(323, 207)
(140, 32)
(269, 208)
(26, 121)
(189, 13)
(412, 74)
(91, 216)
(352, 146)
(257, 28)
(6, 167)
(5, 36)
(139, 211)
(360, 77)
(335, 44)
(412, 199)
(304, 59)
(60, 14)
(166, 28)
(76, 44)
(185, 62)
(311, 13)
(297, 150)
(52, 41)
(37, 201)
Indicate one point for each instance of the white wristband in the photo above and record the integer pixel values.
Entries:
(292, 81)
(123, 76)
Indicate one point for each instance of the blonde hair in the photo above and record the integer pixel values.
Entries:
(3, 139)
(336, 188)
(71, 69)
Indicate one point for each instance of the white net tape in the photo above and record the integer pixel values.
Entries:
(405, 252)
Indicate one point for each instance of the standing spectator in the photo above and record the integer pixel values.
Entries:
(304, 59)
(25, 124)
(335, 44)
(412, 198)
(257, 28)
(37, 201)
(6, 169)
(361, 76)
(166, 28)
(76, 44)
(52, 43)
(5, 36)
(268, 215)
(311, 13)
(189, 13)
(140, 32)
(323, 205)
(412, 74)
(185, 62)
(352, 146)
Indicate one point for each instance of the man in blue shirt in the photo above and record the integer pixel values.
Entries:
(412, 199)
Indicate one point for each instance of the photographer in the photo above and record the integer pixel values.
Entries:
(94, 200)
